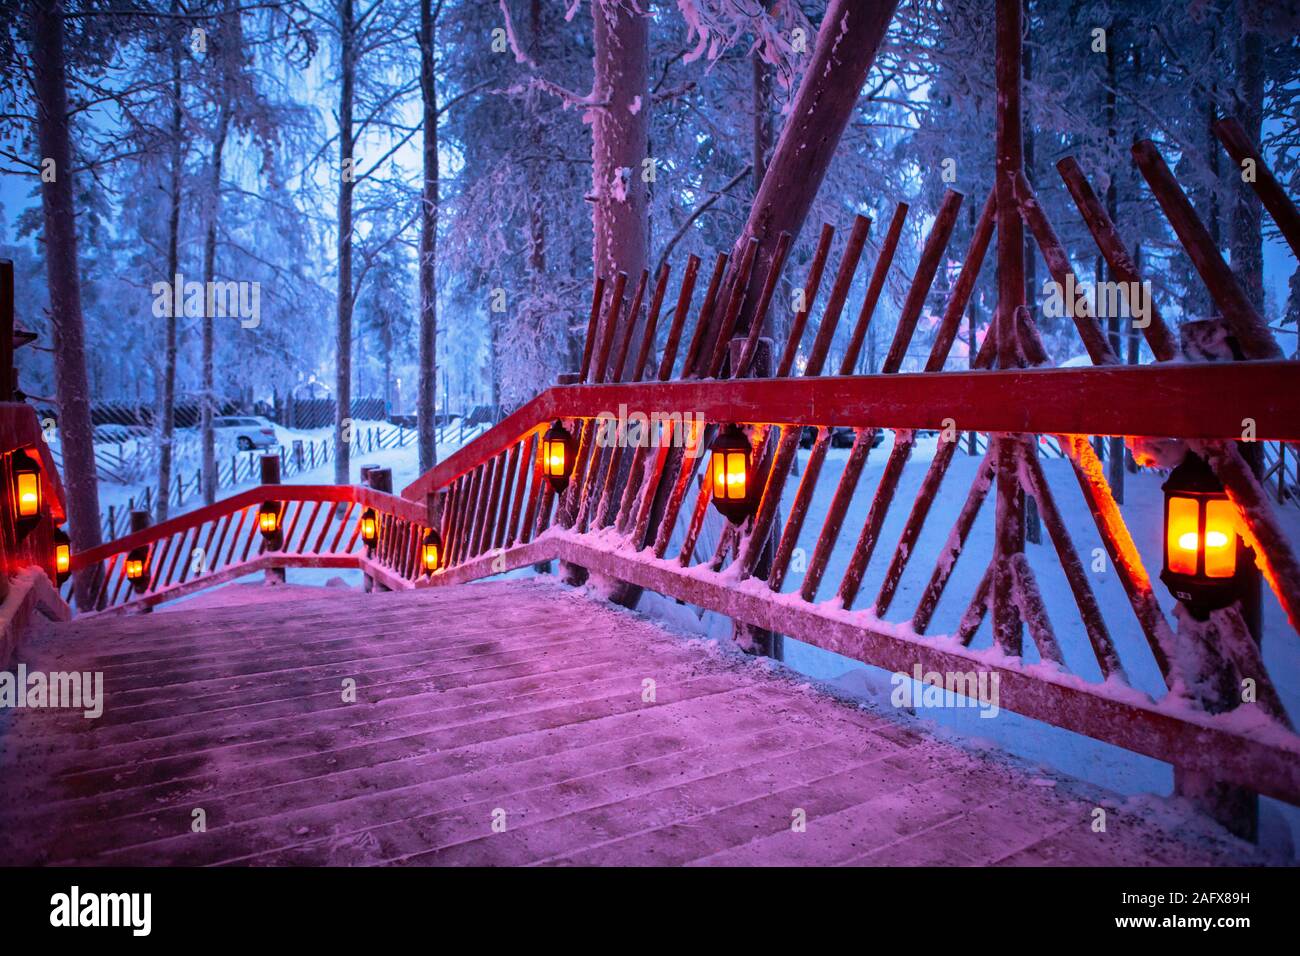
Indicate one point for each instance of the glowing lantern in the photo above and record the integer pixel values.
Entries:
(558, 452)
(268, 519)
(431, 551)
(25, 490)
(62, 555)
(369, 527)
(137, 564)
(729, 471)
(1201, 540)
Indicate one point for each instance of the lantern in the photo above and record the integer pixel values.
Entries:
(729, 470)
(268, 519)
(369, 527)
(137, 564)
(62, 555)
(558, 452)
(25, 491)
(1201, 541)
(431, 550)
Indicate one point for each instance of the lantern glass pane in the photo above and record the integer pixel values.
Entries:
(736, 474)
(1220, 539)
(554, 451)
(29, 494)
(720, 474)
(62, 558)
(430, 556)
(1184, 534)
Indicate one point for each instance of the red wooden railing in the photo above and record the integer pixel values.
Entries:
(319, 528)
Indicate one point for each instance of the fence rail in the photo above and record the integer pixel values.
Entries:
(242, 467)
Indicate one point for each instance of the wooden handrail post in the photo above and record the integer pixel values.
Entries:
(271, 476)
(380, 479)
(140, 519)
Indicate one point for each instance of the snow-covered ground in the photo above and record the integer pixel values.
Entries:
(403, 461)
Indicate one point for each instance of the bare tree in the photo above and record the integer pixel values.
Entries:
(61, 266)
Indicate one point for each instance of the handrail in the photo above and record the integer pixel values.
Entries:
(1103, 400)
(497, 514)
(220, 542)
(359, 494)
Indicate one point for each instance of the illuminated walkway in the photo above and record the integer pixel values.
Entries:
(504, 723)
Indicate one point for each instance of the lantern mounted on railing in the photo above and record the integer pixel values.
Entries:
(729, 469)
(1202, 546)
(25, 493)
(268, 519)
(137, 567)
(369, 527)
(431, 550)
(558, 452)
(62, 555)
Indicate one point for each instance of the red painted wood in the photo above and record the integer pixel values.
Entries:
(1083, 401)
(879, 273)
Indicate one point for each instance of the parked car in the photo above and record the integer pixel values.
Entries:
(247, 432)
(841, 437)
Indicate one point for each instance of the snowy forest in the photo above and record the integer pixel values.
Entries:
(414, 197)
(314, 300)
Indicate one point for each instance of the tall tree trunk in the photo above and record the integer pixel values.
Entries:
(1245, 236)
(207, 405)
(167, 399)
(343, 342)
(620, 138)
(61, 271)
(1115, 462)
(850, 35)
(426, 419)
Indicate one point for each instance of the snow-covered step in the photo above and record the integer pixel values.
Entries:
(505, 723)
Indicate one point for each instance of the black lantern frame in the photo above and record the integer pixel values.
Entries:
(558, 439)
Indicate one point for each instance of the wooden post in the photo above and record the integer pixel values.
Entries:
(380, 479)
(271, 476)
(140, 522)
(1010, 533)
(1266, 186)
(1253, 336)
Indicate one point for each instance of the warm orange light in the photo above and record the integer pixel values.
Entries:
(29, 495)
(729, 472)
(369, 527)
(730, 478)
(557, 456)
(62, 555)
(1184, 531)
(134, 569)
(268, 519)
(1220, 539)
(431, 550)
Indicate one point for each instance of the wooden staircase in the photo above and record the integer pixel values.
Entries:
(510, 722)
